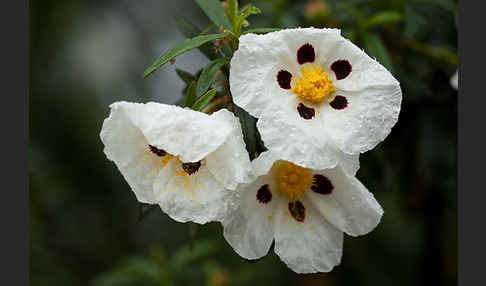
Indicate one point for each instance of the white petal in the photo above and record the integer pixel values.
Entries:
(366, 72)
(310, 246)
(199, 198)
(230, 163)
(366, 121)
(302, 143)
(249, 230)
(259, 58)
(126, 145)
(455, 80)
(350, 207)
(186, 133)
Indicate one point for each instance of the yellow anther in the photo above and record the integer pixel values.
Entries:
(314, 85)
(292, 180)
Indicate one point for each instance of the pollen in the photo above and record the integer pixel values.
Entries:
(292, 180)
(313, 85)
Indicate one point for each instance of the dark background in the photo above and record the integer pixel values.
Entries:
(84, 227)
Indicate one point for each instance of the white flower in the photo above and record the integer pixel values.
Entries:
(188, 162)
(455, 80)
(314, 92)
(305, 211)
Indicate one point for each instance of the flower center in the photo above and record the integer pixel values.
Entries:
(314, 85)
(292, 180)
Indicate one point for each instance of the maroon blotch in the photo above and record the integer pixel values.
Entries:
(157, 151)
(306, 54)
(284, 78)
(263, 194)
(306, 112)
(297, 210)
(322, 185)
(341, 68)
(191, 168)
(339, 102)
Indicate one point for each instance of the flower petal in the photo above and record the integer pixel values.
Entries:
(366, 121)
(249, 230)
(230, 163)
(258, 60)
(199, 198)
(365, 71)
(126, 145)
(350, 207)
(182, 132)
(301, 142)
(310, 246)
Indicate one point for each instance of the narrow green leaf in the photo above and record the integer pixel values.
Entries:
(375, 47)
(185, 76)
(190, 94)
(261, 30)
(181, 48)
(204, 99)
(215, 11)
(207, 75)
(248, 126)
(384, 18)
(189, 30)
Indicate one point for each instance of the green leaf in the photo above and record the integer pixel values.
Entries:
(204, 99)
(215, 11)
(375, 47)
(189, 30)
(185, 76)
(181, 48)
(261, 30)
(384, 18)
(190, 94)
(250, 133)
(207, 75)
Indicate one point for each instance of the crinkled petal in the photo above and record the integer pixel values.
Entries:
(365, 71)
(350, 207)
(366, 121)
(230, 163)
(126, 145)
(310, 246)
(259, 58)
(186, 133)
(199, 198)
(250, 229)
(302, 143)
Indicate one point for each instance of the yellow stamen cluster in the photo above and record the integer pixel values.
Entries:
(314, 85)
(292, 180)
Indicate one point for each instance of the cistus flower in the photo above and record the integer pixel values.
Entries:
(314, 92)
(186, 161)
(454, 80)
(304, 211)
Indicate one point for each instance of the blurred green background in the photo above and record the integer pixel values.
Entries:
(84, 226)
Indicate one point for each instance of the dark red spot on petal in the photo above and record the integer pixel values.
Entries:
(306, 112)
(191, 168)
(284, 78)
(263, 194)
(297, 210)
(306, 54)
(339, 102)
(322, 185)
(341, 68)
(156, 151)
